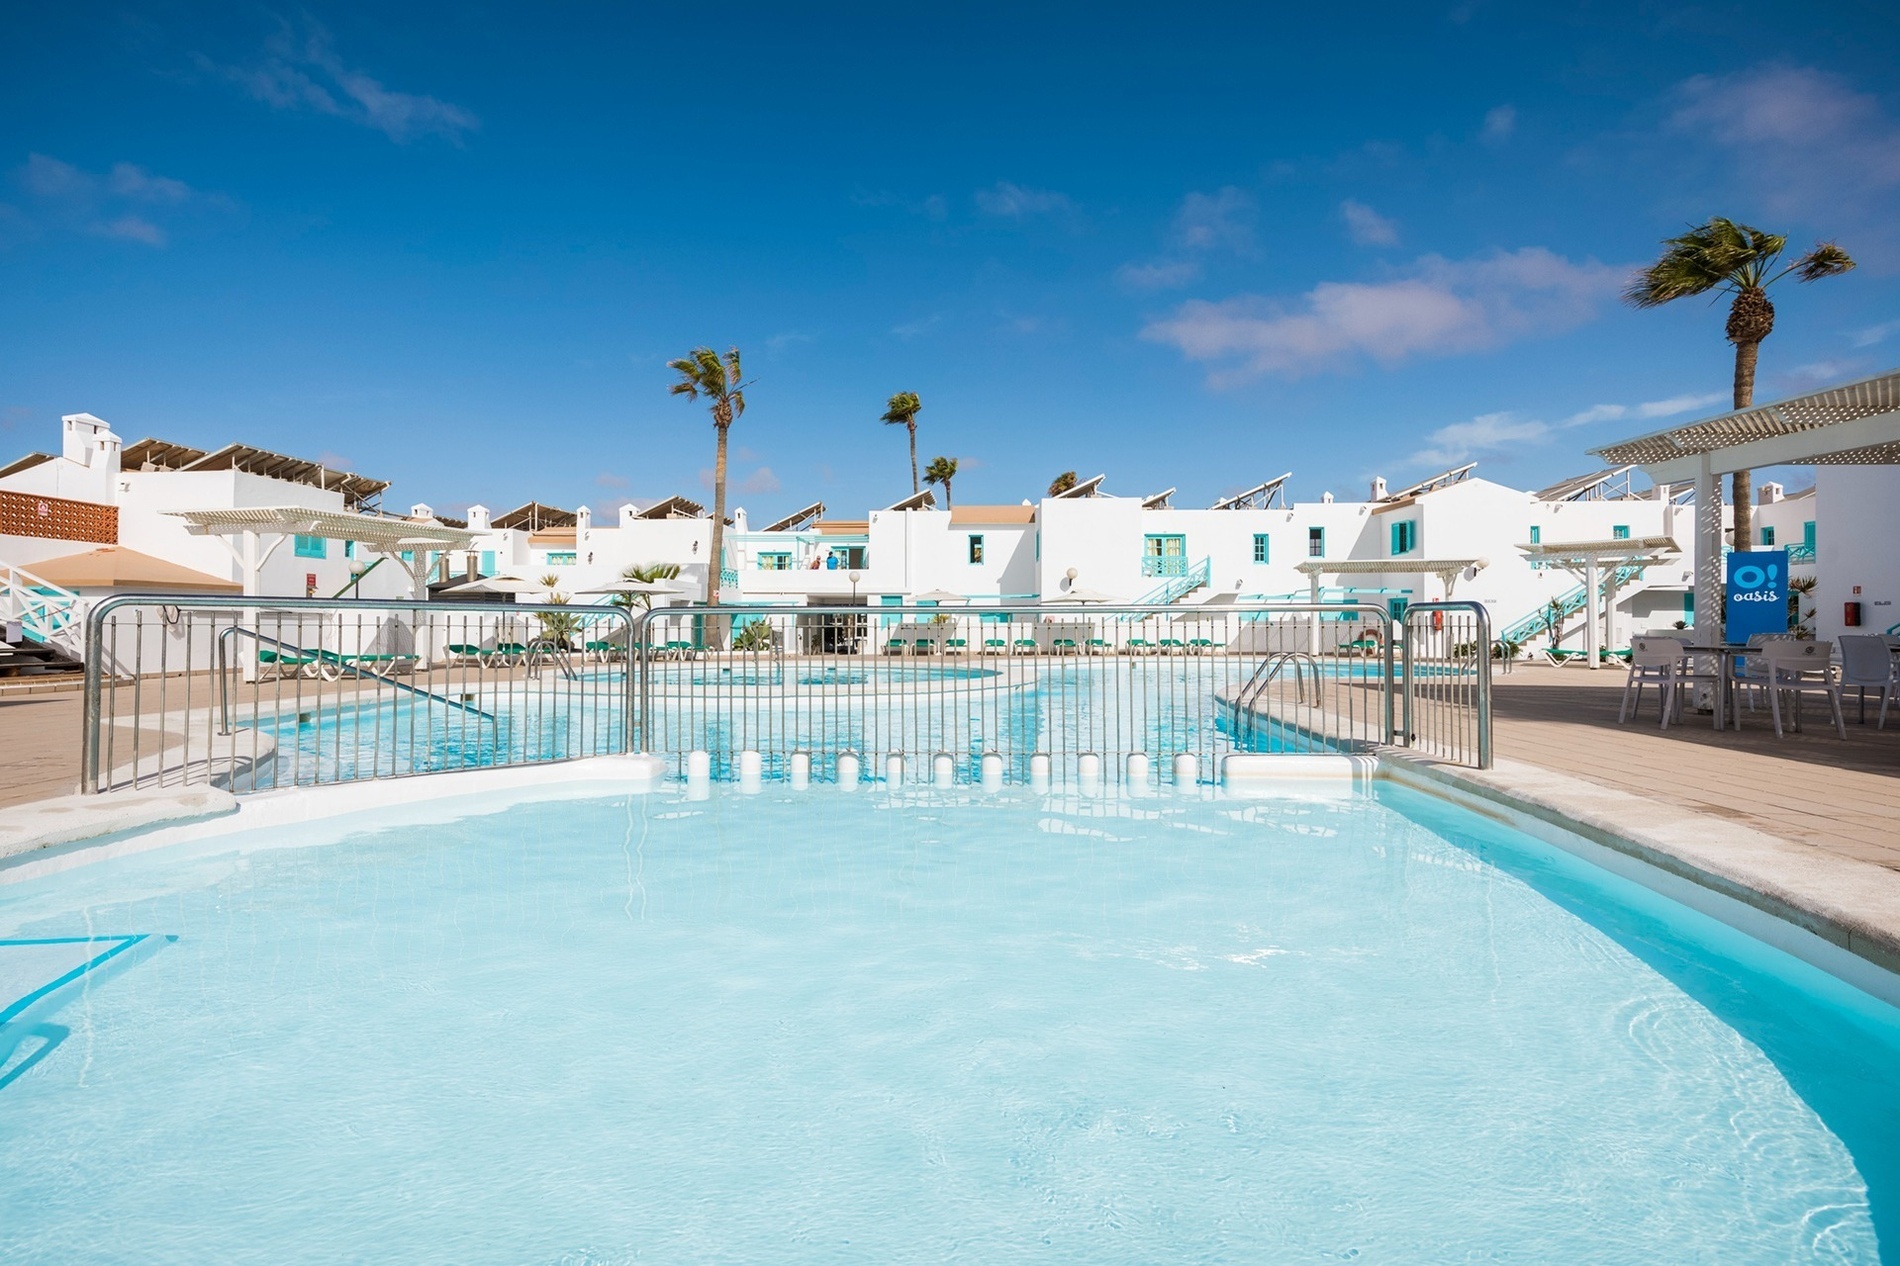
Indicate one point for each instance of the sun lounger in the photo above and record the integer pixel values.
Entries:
(1024, 646)
(956, 646)
(994, 646)
(1063, 645)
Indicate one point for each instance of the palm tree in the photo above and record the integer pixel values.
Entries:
(1725, 256)
(646, 574)
(941, 471)
(1062, 483)
(704, 373)
(902, 410)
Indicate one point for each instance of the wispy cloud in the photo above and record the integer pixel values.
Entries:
(607, 479)
(1875, 334)
(1204, 223)
(759, 482)
(301, 71)
(1366, 226)
(1506, 430)
(1017, 202)
(922, 325)
(789, 339)
(1813, 146)
(125, 202)
(1436, 307)
(1499, 124)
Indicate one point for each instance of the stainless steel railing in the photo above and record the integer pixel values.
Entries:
(1445, 676)
(259, 693)
(1049, 680)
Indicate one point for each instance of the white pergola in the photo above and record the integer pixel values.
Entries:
(1448, 570)
(1586, 560)
(1853, 425)
(254, 533)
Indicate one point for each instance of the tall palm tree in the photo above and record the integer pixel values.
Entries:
(902, 410)
(705, 373)
(941, 471)
(1725, 256)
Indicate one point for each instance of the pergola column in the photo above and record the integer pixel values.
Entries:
(1593, 613)
(1312, 626)
(1708, 556)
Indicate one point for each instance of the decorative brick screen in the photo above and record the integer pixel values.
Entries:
(22, 514)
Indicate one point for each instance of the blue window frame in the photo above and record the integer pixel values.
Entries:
(1397, 606)
(1537, 535)
(1260, 547)
(1164, 554)
(349, 549)
(1767, 536)
(1621, 532)
(488, 562)
(1807, 534)
(1316, 542)
(1405, 536)
(774, 560)
(976, 548)
(562, 558)
(312, 546)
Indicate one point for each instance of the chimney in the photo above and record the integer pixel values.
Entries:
(1326, 498)
(583, 521)
(421, 510)
(1378, 488)
(91, 443)
(629, 514)
(478, 518)
(1769, 494)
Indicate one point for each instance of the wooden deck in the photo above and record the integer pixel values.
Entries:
(1811, 788)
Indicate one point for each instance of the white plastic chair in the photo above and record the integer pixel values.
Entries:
(1657, 662)
(1866, 664)
(1798, 668)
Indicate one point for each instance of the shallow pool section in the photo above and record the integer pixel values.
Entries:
(917, 1028)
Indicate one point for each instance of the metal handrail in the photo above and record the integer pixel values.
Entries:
(335, 658)
(1481, 663)
(90, 747)
(1264, 676)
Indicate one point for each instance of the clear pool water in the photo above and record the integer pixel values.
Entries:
(920, 1029)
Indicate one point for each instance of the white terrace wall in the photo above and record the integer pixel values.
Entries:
(1857, 525)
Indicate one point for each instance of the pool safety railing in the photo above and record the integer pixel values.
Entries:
(1052, 691)
(254, 694)
(1445, 681)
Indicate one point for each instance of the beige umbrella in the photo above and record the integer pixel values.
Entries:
(941, 595)
(498, 584)
(1081, 595)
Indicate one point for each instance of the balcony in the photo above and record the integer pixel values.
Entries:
(1164, 566)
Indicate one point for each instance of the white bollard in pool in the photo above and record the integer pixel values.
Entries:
(894, 771)
(943, 770)
(800, 771)
(1187, 772)
(698, 766)
(1136, 779)
(751, 772)
(992, 771)
(1039, 773)
(1088, 773)
(850, 771)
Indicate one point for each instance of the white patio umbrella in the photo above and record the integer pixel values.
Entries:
(1081, 595)
(941, 595)
(498, 584)
(634, 586)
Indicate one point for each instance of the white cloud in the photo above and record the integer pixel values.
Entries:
(1015, 202)
(1366, 226)
(607, 479)
(1439, 307)
(102, 205)
(1499, 123)
(1222, 220)
(790, 338)
(923, 325)
(1808, 143)
(1160, 274)
(759, 482)
(303, 72)
(1875, 333)
(1506, 430)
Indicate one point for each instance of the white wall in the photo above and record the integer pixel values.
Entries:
(1857, 523)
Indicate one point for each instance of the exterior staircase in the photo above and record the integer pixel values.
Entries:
(51, 623)
(1176, 587)
(1537, 623)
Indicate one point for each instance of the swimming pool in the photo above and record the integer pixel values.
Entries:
(923, 1026)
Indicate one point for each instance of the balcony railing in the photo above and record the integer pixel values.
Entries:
(1167, 565)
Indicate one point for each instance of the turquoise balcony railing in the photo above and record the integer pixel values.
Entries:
(1168, 565)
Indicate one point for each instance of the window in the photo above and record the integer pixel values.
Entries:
(562, 558)
(775, 560)
(312, 546)
(1316, 542)
(1807, 534)
(1767, 536)
(1259, 547)
(488, 562)
(349, 549)
(1621, 532)
(976, 549)
(1396, 606)
(1537, 535)
(1163, 555)
(1405, 536)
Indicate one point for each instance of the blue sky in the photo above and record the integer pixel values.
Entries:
(453, 246)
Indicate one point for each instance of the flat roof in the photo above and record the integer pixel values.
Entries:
(356, 489)
(151, 453)
(534, 516)
(674, 507)
(1000, 516)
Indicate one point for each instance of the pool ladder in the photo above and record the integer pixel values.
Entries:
(1269, 669)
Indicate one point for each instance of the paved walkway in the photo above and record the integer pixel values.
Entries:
(1811, 788)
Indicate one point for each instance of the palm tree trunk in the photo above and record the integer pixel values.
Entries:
(946, 494)
(914, 485)
(1742, 482)
(717, 563)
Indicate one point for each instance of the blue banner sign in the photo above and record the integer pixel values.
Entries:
(1757, 594)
